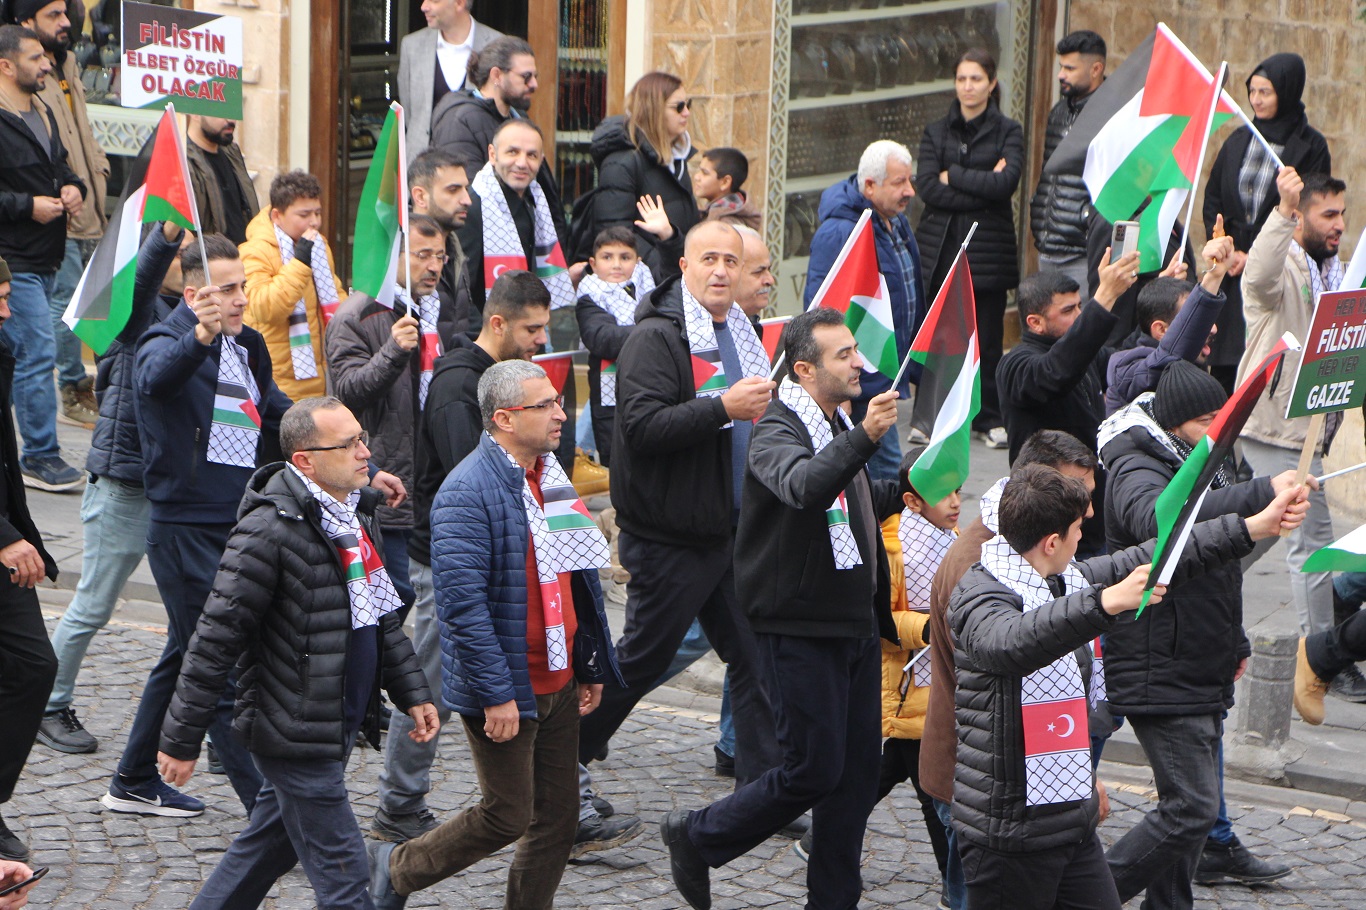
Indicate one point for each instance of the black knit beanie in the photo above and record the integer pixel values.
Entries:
(1185, 392)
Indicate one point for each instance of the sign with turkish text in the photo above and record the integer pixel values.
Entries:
(1332, 374)
(189, 58)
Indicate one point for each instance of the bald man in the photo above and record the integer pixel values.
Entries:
(690, 381)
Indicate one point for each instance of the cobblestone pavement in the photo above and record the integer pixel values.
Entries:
(660, 760)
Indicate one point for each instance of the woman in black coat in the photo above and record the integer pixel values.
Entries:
(630, 165)
(970, 165)
(1242, 185)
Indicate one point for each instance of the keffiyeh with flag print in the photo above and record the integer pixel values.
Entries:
(818, 428)
(620, 302)
(236, 428)
(503, 248)
(427, 310)
(301, 355)
(709, 374)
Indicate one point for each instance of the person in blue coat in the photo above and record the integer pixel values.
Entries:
(883, 184)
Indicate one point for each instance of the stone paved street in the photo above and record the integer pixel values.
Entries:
(661, 760)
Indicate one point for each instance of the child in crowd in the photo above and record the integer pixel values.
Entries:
(608, 297)
(717, 182)
(1025, 806)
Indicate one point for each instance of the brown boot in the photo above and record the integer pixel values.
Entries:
(73, 411)
(1309, 689)
(85, 391)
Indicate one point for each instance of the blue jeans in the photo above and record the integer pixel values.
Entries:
(70, 368)
(953, 868)
(303, 816)
(114, 535)
(184, 559)
(28, 332)
(1351, 587)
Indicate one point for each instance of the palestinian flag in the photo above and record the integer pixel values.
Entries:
(382, 218)
(856, 288)
(950, 391)
(549, 260)
(158, 189)
(1347, 554)
(1140, 135)
(708, 373)
(770, 332)
(1179, 504)
(558, 368)
(565, 511)
(235, 411)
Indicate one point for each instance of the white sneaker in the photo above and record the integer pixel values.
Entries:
(996, 438)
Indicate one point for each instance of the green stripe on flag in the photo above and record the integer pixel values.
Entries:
(236, 418)
(1131, 182)
(876, 342)
(836, 516)
(300, 341)
(375, 246)
(568, 521)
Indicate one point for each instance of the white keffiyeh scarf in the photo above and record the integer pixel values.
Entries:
(236, 428)
(818, 428)
(1053, 703)
(923, 547)
(709, 374)
(620, 302)
(564, 538)
(503, 248)
(325, 286)
(427, 310)
(990, 507)
(368, 584)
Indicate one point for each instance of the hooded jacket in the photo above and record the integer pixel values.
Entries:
(83, 153)
(177, 379)
(1303, 148)
(996, 644)
(1179, 657)
(273, 288)
(207, 194)
(279, 612)
(1061, 206)
(32, 169)
(671, 459)
(448, 430)
(840, 209)
(378, 381)
(975, 192)
(1132, 372)
(625, 173)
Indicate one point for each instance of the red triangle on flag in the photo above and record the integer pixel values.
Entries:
(1178, 85)
(702, 371)
(249, 409)
(557, 368)
(167, 182)
(771, 332)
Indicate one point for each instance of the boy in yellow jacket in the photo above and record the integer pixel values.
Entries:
(292, 290)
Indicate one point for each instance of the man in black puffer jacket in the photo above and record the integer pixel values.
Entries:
(1062, 204)
(304, 606)
(1171, 672)
(1024, 803)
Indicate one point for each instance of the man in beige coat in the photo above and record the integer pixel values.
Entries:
(1293, 260)
(65, 96)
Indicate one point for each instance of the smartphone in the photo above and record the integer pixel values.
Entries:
(1123, 239)
(37, 874)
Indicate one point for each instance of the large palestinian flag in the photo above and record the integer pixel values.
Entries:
(949, 394)
(856, 288)
(158, 189)
(1179, 504)
(1140, 135)
(382, 217)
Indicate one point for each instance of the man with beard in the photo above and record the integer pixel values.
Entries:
(435, 61)
(222, 188)
(1061, 206)
(502, 79)
(440, 187)
(39, 192)
(65, 97)
(1293, 260)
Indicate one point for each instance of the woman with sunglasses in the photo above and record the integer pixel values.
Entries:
(969, 168)
(643, 180)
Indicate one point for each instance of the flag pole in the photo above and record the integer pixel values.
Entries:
(1238, 109)
(402, 196)
(189, 188)
(1339, 473)
(1200, 162)
(963, 248)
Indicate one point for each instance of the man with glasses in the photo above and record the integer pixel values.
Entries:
(303, 598)
(528, 650)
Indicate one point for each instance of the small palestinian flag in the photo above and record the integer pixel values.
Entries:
(950, 391)
(1346, 554)
(1178, 506)
(382, 217)
(770, 333)
(855, 287)
(565, 511)
(558, 368)
(708, 374)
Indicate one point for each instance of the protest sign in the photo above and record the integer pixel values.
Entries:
(189, 58)
(1332, 374)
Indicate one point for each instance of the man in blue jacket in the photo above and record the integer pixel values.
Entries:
(883, 184)
(525, 645)
(206, 408)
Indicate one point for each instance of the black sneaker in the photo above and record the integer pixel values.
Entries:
(601, 833)
(1231, 862)
(11, 847)
(49, 472)
(401, 827)
(1349, 685)
(725, 764)
(61, 730)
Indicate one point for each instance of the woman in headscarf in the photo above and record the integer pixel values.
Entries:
(1242, 185)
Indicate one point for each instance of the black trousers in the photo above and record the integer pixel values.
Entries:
(1064, 878)
(991, 312)
(900, 763)
(827, 703)
(669, 588)
(1335, 650)
(28, 668)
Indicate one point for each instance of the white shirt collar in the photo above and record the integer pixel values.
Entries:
(466, 45)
